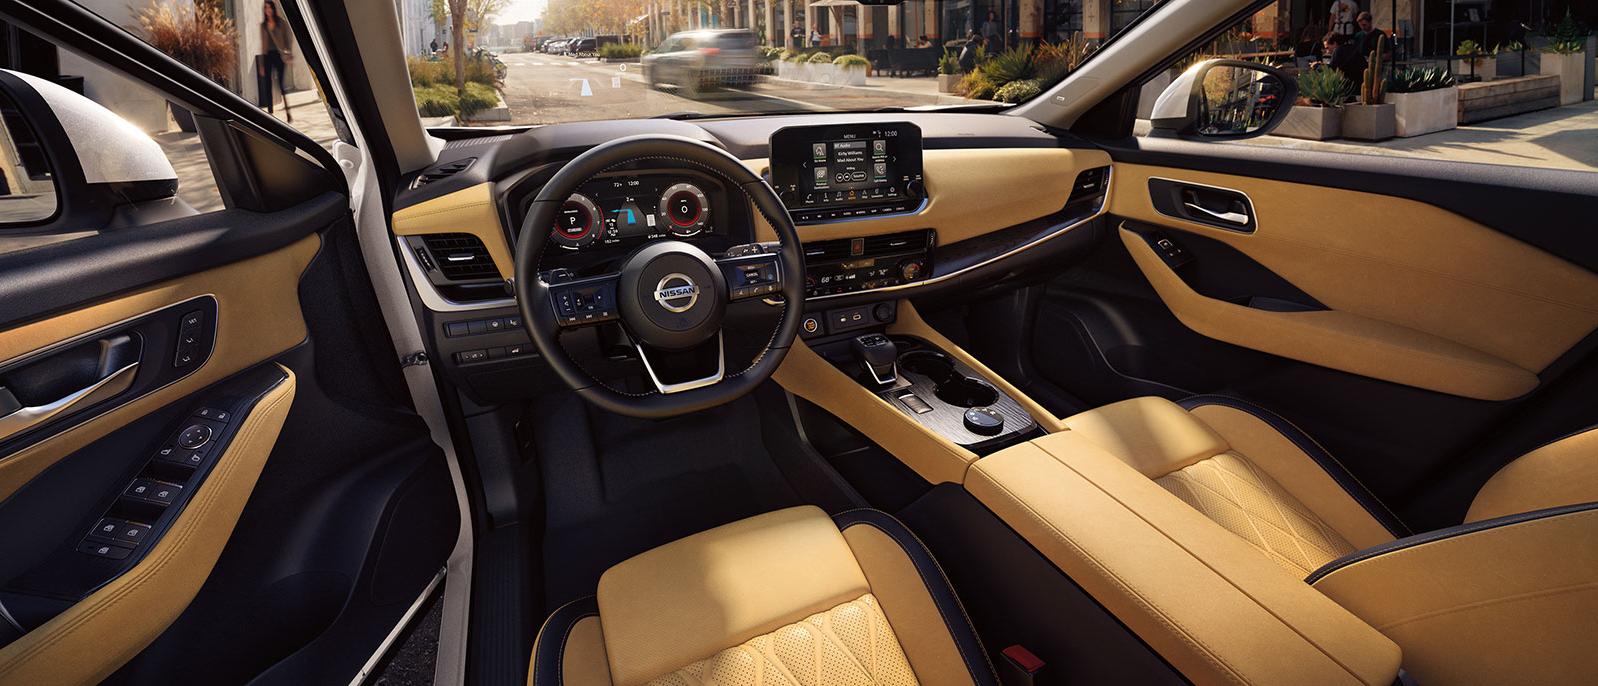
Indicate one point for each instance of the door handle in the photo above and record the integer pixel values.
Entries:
(26, 418)
(1233, 217)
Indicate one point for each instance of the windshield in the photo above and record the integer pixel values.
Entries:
(551, 61)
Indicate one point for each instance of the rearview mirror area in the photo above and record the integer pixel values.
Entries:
(1224, 100)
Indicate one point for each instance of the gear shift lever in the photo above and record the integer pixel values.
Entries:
(877, 354)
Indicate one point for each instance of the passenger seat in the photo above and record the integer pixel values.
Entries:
(1509, 596)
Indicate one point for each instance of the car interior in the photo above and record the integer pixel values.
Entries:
(953, 394)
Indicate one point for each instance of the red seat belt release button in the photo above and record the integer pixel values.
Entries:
(1020, 665)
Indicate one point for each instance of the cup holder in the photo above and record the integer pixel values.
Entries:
(934, 365)
(964, 391)
(948, 383)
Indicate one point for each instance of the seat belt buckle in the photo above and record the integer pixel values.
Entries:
(1020, 667)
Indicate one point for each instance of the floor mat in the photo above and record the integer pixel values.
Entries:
(617, 486)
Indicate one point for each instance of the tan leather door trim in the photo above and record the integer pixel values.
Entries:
(1338, 340)
(471, 210)
(258, 317)
(103, 631)
(1407, 284)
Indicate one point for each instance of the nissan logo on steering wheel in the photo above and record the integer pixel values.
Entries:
(677, 293)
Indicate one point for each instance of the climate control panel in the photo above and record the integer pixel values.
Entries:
(850, 265)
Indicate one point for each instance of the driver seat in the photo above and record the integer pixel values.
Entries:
(791, 596)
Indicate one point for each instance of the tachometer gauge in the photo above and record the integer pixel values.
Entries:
(684, 209)
(577, 224)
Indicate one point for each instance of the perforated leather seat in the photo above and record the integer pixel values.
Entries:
(791, 596)
(1509, 596)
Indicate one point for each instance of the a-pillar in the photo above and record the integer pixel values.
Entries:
(1095, 20)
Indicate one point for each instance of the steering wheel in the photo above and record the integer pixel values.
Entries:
(669, 295)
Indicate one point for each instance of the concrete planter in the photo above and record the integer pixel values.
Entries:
(1486, 68)
(824, 72)
(1572, 72)
(1312, 123)
(946, 82)
(1370, 122)
(1425, 112)
(850, 76)
(790, 70)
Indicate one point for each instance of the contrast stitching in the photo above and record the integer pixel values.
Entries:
(565, 635)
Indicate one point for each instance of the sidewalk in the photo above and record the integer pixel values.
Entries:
(197, 184)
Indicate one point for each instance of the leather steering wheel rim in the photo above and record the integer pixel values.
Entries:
(539, 315)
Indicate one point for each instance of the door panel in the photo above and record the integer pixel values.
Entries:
(1413, 294)
(258, 317)
(97, 634)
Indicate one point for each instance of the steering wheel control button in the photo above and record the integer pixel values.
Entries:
(152, 491)
(584, 302)
(984, 421)
(194, 436)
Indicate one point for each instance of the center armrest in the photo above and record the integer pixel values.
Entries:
(1214, 607)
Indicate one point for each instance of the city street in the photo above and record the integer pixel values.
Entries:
(542, 89)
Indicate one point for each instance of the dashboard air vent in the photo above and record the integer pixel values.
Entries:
(460, 257)
(895, 242)
(442, 171)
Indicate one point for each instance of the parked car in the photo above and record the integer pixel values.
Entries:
(582, 47)
(692, 61)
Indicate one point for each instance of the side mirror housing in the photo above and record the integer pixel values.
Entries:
(1224, 100)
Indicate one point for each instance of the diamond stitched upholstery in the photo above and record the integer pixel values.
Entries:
(1229, 490)
(848, 644)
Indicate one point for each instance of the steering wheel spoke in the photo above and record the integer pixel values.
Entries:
(752, 276)
(702, 365)
(585, 302)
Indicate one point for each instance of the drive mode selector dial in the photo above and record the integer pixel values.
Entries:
(684, 209)
(577, 224)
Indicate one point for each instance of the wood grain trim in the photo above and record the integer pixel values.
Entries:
(1399, 262)
(472, 210)
(809, 376)
(970, 192)
(258, 317)
(909, 322)
(1336, 339)
(93, 638)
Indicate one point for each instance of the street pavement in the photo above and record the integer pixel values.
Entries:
(543, 89)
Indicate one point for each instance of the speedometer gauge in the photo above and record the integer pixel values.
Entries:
(684, 209)
(577, 224)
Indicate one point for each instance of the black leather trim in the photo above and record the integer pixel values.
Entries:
(954, 616)
(1316, 452)
(1444, 534)
(549, 649)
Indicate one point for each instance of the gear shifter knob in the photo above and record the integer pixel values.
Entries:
(877, 354)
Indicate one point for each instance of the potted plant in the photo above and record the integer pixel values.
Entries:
(1318, 113)
(1510, 59)
(1424, 101)
(948, 72)
(1373, 119)
(1475, 63)
(850, 70)
(1566, 57)
(819, 68)
(198, 35)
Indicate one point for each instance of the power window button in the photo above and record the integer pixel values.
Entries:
(150, 490)
(104, 550)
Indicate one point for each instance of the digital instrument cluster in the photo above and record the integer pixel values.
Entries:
(614, 210)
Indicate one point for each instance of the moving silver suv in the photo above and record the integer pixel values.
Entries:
(692, 61)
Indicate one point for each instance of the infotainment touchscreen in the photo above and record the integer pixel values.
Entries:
(827, 172)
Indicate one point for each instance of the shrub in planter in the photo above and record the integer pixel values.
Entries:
(621, 51)
(1014, 64)
(1373, 119)
(1424, 101)
(1475, 62)
(975, 86)
(948, 71)
(818, 68)
(1017, 91)
(1318, 114)
(851, 69)
(198, 35)
(1565, 55)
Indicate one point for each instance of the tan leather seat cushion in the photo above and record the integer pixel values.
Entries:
(777, 598)
(1564, 472)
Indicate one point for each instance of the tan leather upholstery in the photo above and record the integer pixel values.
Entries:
(1200, 596)
(1564, 472)
(1511, 604)
(784, 596)
(1264, 489)
(94, 637)
(848, 644)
